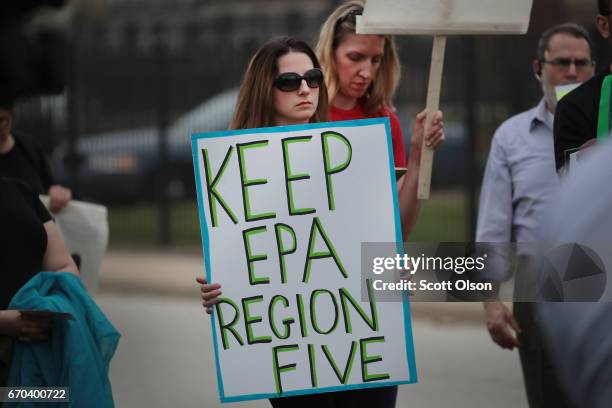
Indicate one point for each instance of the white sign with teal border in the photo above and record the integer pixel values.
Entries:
(283, 213)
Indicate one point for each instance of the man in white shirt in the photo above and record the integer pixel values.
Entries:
(519, 179)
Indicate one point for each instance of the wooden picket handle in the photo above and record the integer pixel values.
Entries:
(433, 102)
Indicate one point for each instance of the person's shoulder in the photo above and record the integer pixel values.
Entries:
(592, 84)
(396, 126)
(387, 111)
(20, 192)
(509, 136)
(30, 148)
(519, 122)
(580, 107)
(391, 114)
(15, 185)
(21, 141)
(27, 141)
(586, 94)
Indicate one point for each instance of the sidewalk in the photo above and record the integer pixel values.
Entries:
(152, 272)
(173, 274)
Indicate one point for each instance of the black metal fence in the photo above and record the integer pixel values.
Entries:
(141, 78)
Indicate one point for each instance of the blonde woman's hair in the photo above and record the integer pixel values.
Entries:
(255, 106)
(338, 25)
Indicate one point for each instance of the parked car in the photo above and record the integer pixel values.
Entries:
(123, 166)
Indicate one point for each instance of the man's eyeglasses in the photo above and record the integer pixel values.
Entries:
(290, 81)
(565, 63)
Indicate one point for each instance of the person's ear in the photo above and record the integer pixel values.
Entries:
(537, 69)
(6, 122)
(603, 25)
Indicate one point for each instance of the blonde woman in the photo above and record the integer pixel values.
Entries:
(361, 74)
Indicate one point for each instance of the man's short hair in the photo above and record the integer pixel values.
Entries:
(604, 7)
(572, 29)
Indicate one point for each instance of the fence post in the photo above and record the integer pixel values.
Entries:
(163, 104)
(471, 95)
(73, 158)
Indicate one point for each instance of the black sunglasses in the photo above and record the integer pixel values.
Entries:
(290, 81)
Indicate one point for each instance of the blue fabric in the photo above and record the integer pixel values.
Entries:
(78, 352)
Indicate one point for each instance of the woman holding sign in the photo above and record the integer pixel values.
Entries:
(361, 74)
(284, 85)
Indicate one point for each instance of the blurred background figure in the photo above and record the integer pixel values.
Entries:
(579, 333)
(519, 181)
(33, 47)
(30, 242)
(27, 162)
(578, 120)
(30, 66)
(33, 63)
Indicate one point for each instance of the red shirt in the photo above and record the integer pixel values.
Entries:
(397, 137)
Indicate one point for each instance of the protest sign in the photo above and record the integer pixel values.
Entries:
(283, 214)
(441, 18)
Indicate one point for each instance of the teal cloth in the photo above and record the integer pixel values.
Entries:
(78, 352)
